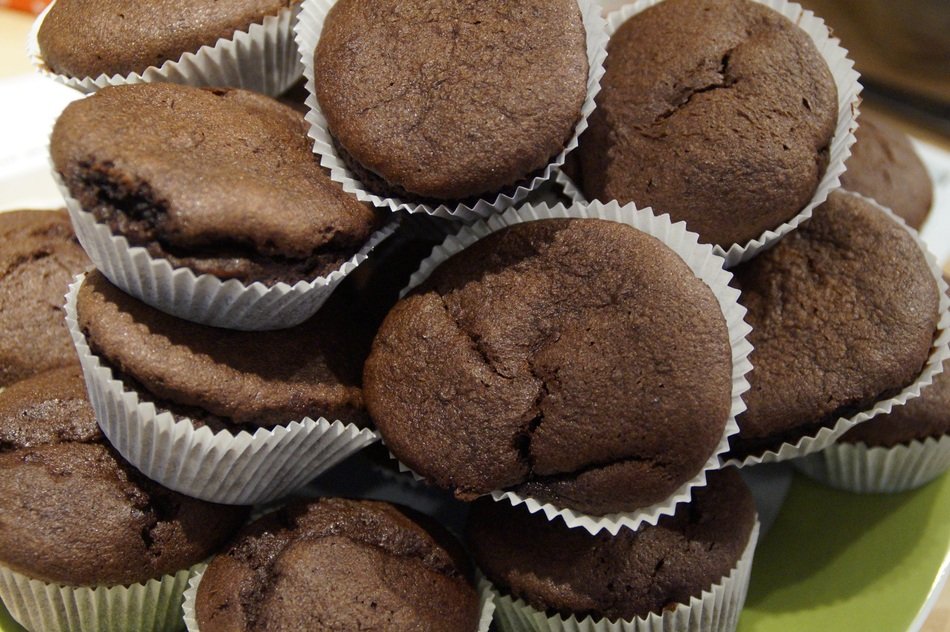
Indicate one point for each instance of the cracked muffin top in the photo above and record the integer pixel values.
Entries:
(718, 112)
(258, 378)
(843, 314)
(884, 166)
(39, 255)
(189, 174)
(451, 99)
(333, 564)
(72, 511)
(571, 572)
(87, 38)
(578, 361)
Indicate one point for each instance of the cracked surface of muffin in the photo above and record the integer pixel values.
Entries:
(578, 361)
(189, 174)
(718, 112)
(335, 564)
(843, 312)
(74, 512)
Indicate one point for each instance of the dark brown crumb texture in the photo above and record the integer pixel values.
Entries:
(568, 571)
(718, 112)
(190, 173)
(582, 357)
(335, 564)
(843, 314)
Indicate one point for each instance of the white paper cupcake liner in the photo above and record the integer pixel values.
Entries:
(486, 600)
(855, 467)
(263, 59)
(570, 189)
(154, 606)
(717, 609)
(222, 467)
(188, 606)
(706, 265)
(849, 90)
(205, 298)
(308, 30)
(939, 352)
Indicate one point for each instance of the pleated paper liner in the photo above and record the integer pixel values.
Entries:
(717, 609)
(856, 467)
(570, 189)
(262, 58)
(939, 352)
(308, 30)
(205, 298)
(191, 620)
(706, 265)
(846, 81)
(222, 467)
(154, 606)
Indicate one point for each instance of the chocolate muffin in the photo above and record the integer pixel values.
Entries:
(73, 512)
(50, 407)
(189, 174)
(334, 564)
(920, 418)
(578, 361)
(718, 112)
(565, 571)
(451, 100)
(39, 256)
(223, 377)
(843, 314)
(884, 166)
(83, 38)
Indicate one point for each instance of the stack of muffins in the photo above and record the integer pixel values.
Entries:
(277, 287)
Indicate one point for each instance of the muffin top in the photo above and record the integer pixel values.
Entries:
(843, 314)
(72, 511)
(920, 418)
(884, 166)
(39, 255)
(50, 407)
(256, 378)
(569, 571)
(718, 112)
(452, 99)
(581, 355)
(189, 173)
(335, 564)
(87, 38)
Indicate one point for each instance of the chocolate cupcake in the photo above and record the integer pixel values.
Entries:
(740, 130)
(538, 360)
(892, 452)
(232, 416)
(884, 166)
(452, 107)
(187, 174)
(238, 43)
(844, 315)
(79, 517)
(337, 564)
(39, 255)
(689, 567)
